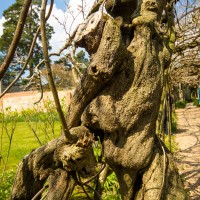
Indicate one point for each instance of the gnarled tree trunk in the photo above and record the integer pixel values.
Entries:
(118, 99)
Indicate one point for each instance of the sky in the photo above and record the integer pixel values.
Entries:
(6, 3)
(59, 11)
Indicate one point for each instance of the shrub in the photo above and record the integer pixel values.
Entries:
(196, 102)
(180, 104)
(6, 184)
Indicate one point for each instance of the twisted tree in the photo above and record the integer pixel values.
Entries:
(118, 100)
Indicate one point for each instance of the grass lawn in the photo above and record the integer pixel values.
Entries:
(24, 140)
(23, 143)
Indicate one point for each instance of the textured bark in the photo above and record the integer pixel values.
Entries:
(159, 180)
(118, 99)
(123, 108)
(101, 69)
(60, 181)
(54, 162)
(34, 170)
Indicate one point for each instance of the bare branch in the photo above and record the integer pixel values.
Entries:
(40, 192)
(187, 13)
(50, 76)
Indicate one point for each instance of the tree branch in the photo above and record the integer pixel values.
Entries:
(193, 10)
(50, 76)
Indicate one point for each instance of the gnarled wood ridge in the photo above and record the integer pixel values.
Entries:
(118, 99)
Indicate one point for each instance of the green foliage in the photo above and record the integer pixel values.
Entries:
(9, 117)
(81, 58)
(44, 119)
(36, 114)
(97, 149)
(111, 185)
(24, 141)
(180, 104)
(34, 122)
(196, 102)
(62, 75)
(111, 188)
(6, 184)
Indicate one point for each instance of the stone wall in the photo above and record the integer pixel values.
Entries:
(19, 101)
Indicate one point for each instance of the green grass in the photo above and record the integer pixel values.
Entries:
(24, 141)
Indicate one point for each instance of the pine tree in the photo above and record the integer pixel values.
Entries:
(11, 15)
(82, 58)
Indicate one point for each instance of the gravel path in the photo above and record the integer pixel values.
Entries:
(188, 155)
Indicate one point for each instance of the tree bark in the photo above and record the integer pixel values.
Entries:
(118, 99)
(54, 164)
(123, 108)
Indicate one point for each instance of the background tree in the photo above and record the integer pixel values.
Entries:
(187, 46)
(75, 63)
(185, 58)
(81, 58)
(62, 76)
(32, 21)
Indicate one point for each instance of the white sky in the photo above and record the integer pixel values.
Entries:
(60, 36)
(2, 20)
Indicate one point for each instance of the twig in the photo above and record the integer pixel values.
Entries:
(75, 65)
(45, 195)
(40, 192)
(82, 9)
(33, 130)
(95, 175)
(67, 44)
(36, 75)
(85, 191)
(164, 169)
(187, 13)
(50, 76)
(10, 137)
(41, 89)
(98, 195)
(79, 182)
(82, 186)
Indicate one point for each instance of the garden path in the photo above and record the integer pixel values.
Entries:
(188, 154)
